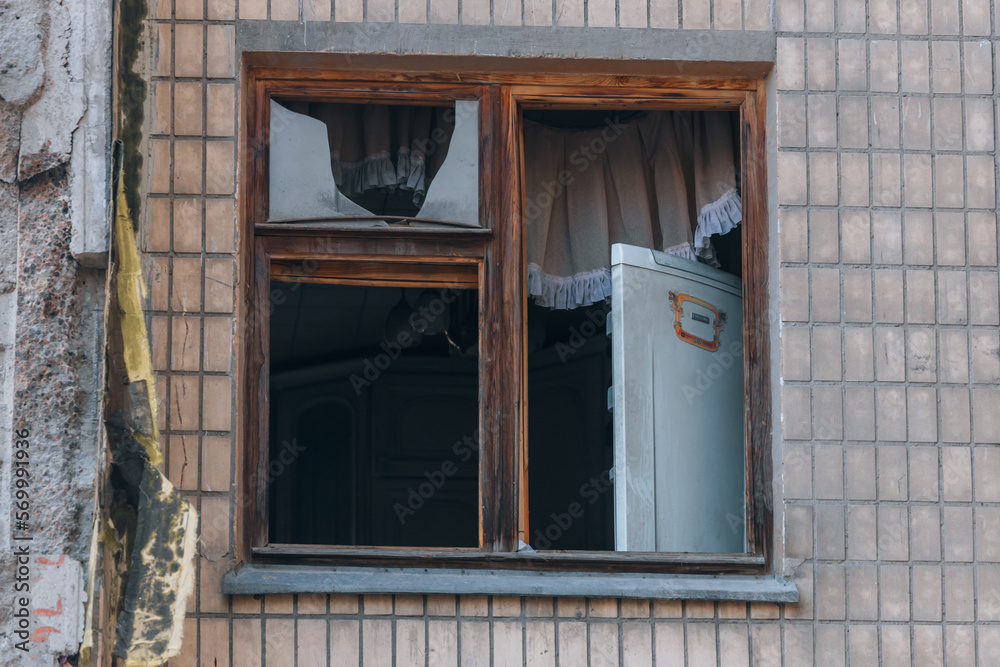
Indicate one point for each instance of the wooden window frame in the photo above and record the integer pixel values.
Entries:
(495, 253)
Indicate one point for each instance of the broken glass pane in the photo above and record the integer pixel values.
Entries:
(302, 184)
(364, 161)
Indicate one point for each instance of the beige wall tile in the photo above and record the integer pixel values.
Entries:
(159, 173)
(925, 531)
(475, 12)
(631, 13)
(219, 167)
(822, 57)
(824, 233)
(216, 465)
(921, 409)
(217, 409)
(947, 75)
(157, 236)
(344, 642)
(221, 109)
(600, 13)
(188, 60)
(220, 228)
(446, 11)
(916, 123)
(219, 282)
(414, 11)
(794, 237)
(348, 11)
(884, 66)
(892, 406)
(883, 16)
(508, 639)
(184, 403)
(442, 643)
(889, 296)
(915, 71)
(187, 166)
(284, 10)
(958, 536)
(791, 63)
(318, 10)
(860, 472)
(187, 224)
(662, 13)
(850, 65)
(573, 643)
(790, 15)
(182, 462)
(218, 344)
(795, 353)
(161, 95)
(913, 17)
(185, 348)
(221, 51)
(539, 644)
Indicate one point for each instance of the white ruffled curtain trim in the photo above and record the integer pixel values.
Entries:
(720, 217)
(378, 171)
(567, 292)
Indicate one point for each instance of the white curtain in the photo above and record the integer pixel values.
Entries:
(663, 180)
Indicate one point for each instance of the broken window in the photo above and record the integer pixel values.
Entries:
(508, 322)
(375, 163)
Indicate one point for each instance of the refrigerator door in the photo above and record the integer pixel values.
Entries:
(677, 346)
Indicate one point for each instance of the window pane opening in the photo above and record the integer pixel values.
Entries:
(570, 445)
(362, 162)
(633, 217)
(374, 397)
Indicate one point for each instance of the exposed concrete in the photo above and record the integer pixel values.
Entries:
(90, 166)
(50, 306)
(47, 125)
(10, 138)
(55, 84)
(56, 606)
(48, 390)
(673, 51)
(22, 42)
(8, 309)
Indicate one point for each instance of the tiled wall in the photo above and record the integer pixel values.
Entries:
(890, 349)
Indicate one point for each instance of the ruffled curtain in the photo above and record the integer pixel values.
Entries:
(665, 180)
(384, 147)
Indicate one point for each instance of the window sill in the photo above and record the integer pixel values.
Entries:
(278, 579)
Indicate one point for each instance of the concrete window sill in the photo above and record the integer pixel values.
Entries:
(277, 579)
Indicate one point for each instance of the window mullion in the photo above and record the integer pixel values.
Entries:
(502, 324)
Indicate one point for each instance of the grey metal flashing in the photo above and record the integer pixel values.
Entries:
(697, 52)
(279, 579)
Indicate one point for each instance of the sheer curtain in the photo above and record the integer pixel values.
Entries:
(665, 180)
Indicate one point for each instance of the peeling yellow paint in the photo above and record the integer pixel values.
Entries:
(135, 339)
(161, 575)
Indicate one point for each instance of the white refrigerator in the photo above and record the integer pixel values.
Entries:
(677, 392)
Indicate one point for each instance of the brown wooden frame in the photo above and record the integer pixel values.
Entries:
(491, 258)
